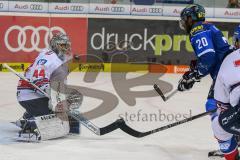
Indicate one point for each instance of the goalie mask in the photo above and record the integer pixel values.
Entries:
(60, 44)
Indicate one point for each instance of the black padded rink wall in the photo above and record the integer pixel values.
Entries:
(160, 41)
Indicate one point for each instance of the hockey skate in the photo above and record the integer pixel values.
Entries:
(29, 132)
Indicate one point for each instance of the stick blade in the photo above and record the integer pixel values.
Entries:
(130, 131)
(111, 127)
(158, 90)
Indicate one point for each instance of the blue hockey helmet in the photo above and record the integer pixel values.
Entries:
(236, 35)
(195, 11)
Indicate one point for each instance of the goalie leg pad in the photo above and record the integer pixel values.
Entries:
(74, 126)
(44, 128)
(51, 126)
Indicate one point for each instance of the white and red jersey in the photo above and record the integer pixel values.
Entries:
(227, 85)
(40, 72)
(227, 90)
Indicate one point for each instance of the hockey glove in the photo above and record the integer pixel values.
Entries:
(188, 80)
(193, 65)
(74, 98)
(229, 120)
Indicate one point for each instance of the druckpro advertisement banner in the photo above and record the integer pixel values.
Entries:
(160, 41)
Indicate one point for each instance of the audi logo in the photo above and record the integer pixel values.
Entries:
(36, 7)
(117, 9)
(1, 5)
(35, 37)
(77, 8)
(155, 10)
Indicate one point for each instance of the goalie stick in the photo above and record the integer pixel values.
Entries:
(138, 134)
(159, 91)
(76, 115)
(89, 125)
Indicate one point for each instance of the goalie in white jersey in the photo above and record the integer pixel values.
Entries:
(50, 66)
(226, 124)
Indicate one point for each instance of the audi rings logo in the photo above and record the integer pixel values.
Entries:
(1, 5)
(77, 8)
(36, 7)
(155, 10)
(35, 37)
(117, 9)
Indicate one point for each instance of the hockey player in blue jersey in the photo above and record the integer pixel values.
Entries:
(236, 37)
(210, 47)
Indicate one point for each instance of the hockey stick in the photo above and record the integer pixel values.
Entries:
(88, 124)
(76, 115)
(120, 123)
(158, 90)
(138, 134)
(25, 79)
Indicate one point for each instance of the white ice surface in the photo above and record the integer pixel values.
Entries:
(190, 141)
